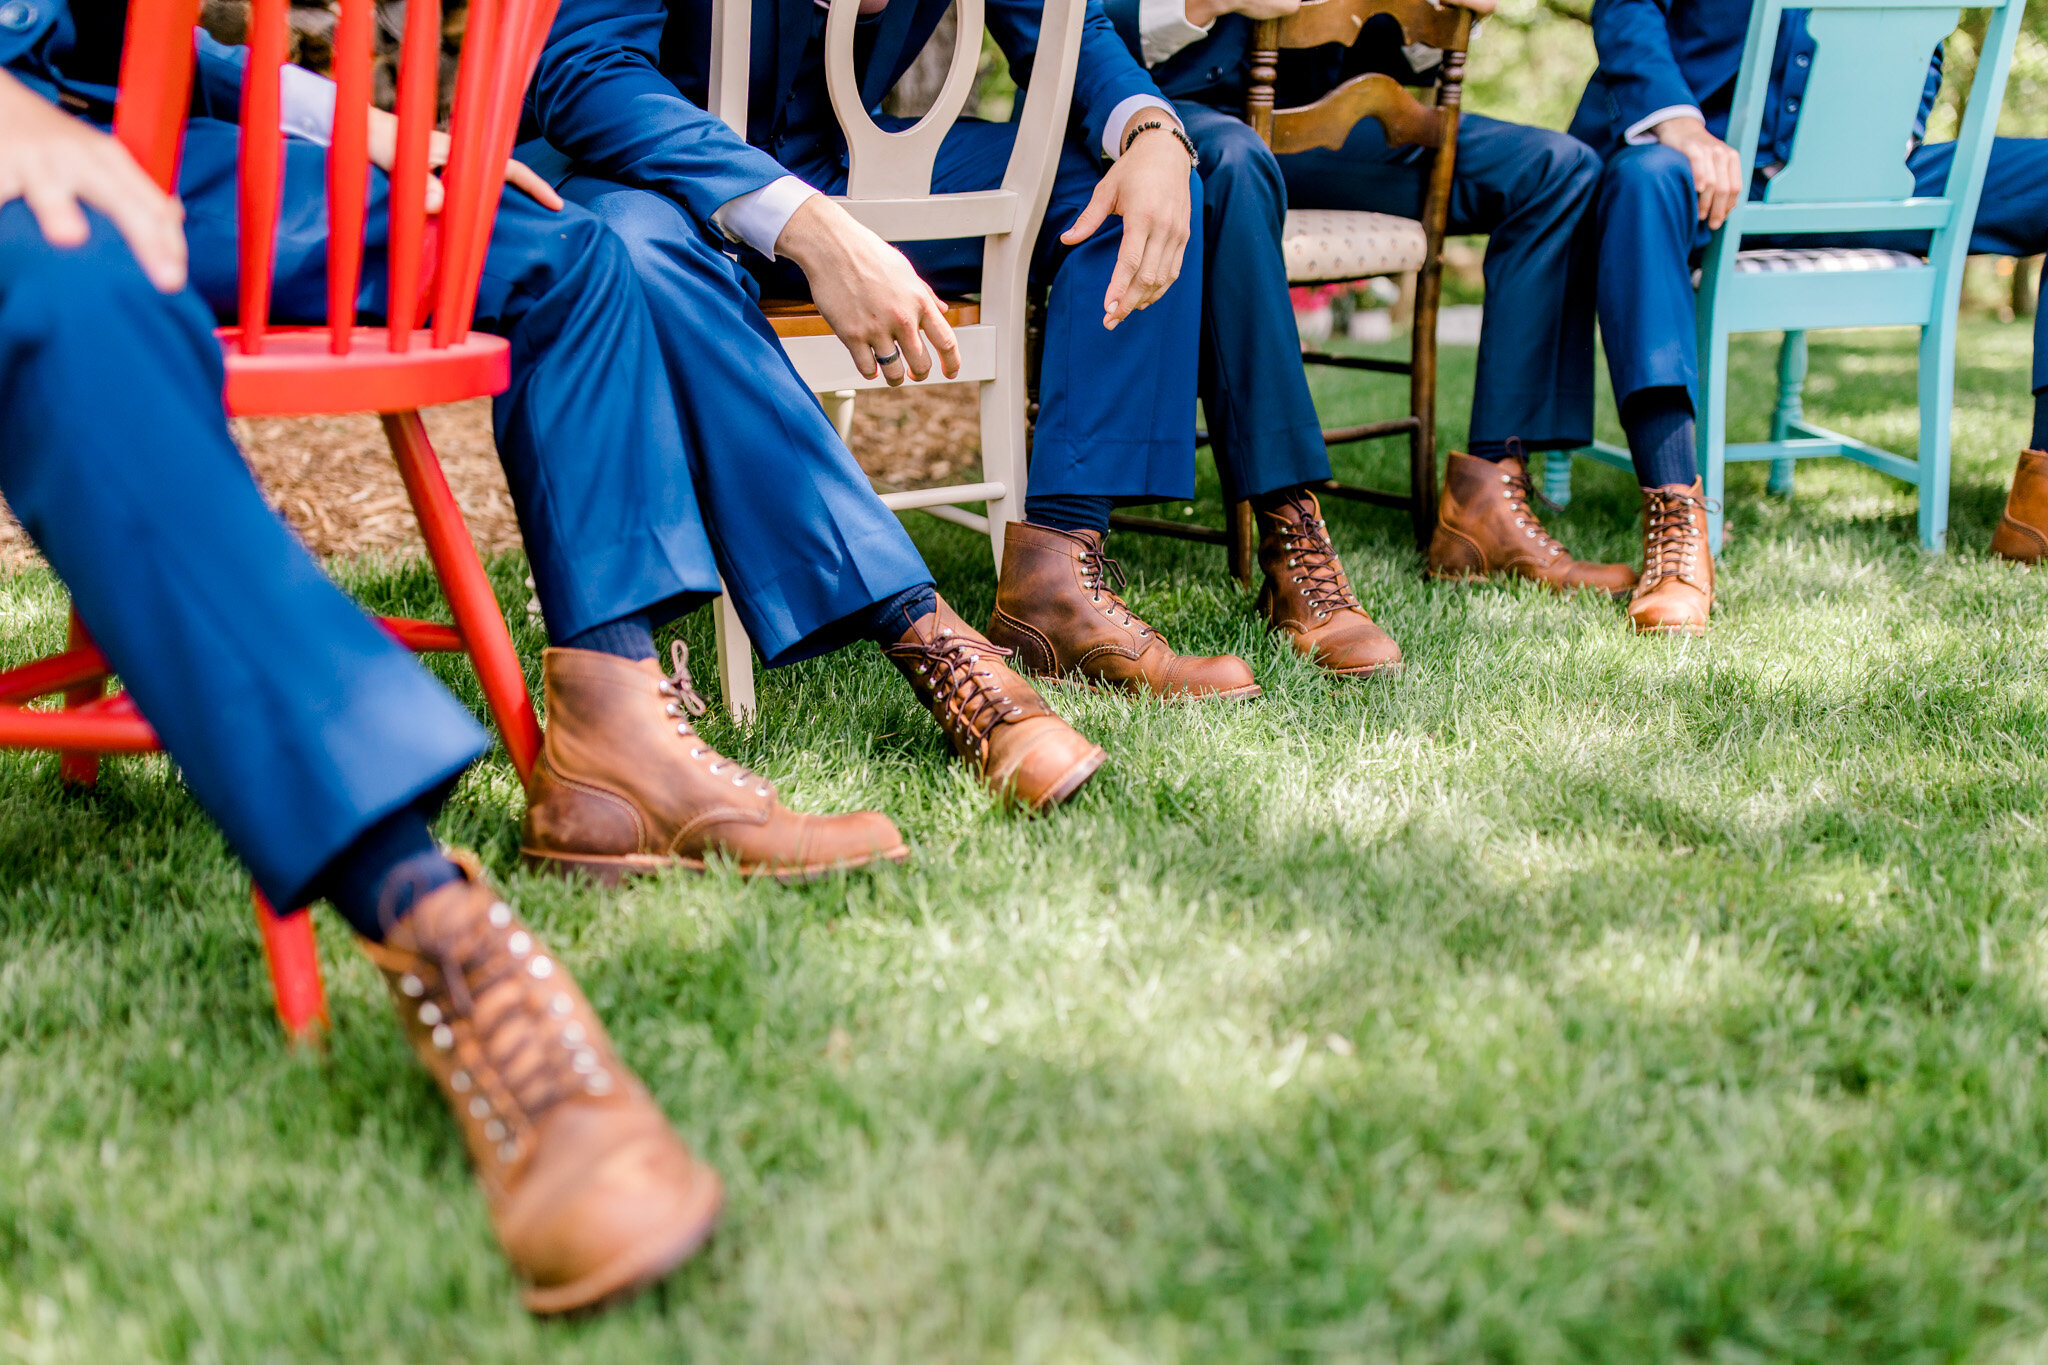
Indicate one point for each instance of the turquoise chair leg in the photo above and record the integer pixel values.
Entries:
(1557, 476)
(1712, 431)
(1791, 405)
(1937, 395)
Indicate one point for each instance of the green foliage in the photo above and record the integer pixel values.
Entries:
(1572, 997)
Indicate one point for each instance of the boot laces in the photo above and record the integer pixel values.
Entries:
(1672, 535)
(1521, 492)
(689, 702)
(1324, 585)
(470, 966)
(966, 694)
(1097, 569)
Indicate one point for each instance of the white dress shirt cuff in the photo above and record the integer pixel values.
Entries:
(758, 218)
(1120, 118)
(1163, 29)
(1639, 132)
(306, 104)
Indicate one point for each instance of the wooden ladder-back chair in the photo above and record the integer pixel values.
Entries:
(425, 355)
(1847, 173)
(888, 187)
(1332, 246)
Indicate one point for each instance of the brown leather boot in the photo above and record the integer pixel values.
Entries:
(1675, 595)
(994, 718)
(626, 785)
(1308, 595)
(1056, 611)
(2022, 534)
(591, 1193)
(1485, 526)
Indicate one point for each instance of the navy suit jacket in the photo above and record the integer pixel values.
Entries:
(622, 88)
(71, 54)
(1657, 54)
(1216, 70)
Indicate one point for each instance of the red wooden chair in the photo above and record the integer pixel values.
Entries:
(395, 370)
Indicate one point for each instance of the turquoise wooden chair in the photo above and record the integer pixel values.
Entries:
(1847, 173)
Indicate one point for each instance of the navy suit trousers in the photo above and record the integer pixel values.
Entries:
(1651, 237)
(296, 721)
(801, 537)
(1116, 410)
(1529, 190)
(588, 435)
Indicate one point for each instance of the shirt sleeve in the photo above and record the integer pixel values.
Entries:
(1163, 29)
(1120, 118)
(1640, 132)
(758, 218)
(306, 105)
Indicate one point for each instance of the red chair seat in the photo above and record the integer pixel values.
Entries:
(298, 374)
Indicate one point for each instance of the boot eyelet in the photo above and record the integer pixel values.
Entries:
(761, 791)
(479, 1108)
(672, 709)
(412, 986)
(716, 768)
(541, 968)
(430, 1014)
(572, 1034)
(444, 1037)
(600, 1083)
(520, 944)
(585, 1062)
(459, 1082)
(682, 729)
(561, 1005)
(508, 1152)
(495, 1130)
(501, 915)
(739, 781)
(699, 753)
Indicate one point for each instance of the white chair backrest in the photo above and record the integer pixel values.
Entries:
(889, 174)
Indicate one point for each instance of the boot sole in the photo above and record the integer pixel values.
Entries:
(1369, 671)
(612, 869)
(1074, 779)
(1689, 632)
(1468, 579)
(1245, 693)
(636, 1268)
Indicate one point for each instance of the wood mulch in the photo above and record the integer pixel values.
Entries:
(333, 480)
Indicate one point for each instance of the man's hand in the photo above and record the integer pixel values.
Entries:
(1716, 167)
(384, 152)
(869, 295)
(1148, 189)
(57, 164)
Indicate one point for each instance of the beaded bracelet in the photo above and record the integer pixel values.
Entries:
(1131, 135)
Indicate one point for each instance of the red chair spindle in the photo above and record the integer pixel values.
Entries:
(80, 767)
(348, 169)
(419, 86)
(262, 165)
(524, 24)
(156, 85)
(465, 164)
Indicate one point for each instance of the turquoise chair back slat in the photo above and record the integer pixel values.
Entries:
(1856, 121)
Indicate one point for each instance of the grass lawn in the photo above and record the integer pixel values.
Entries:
(1573, 996)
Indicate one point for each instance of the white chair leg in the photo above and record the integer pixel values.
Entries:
(839, 412)
(735, 660)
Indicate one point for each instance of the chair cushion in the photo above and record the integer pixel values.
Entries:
(1339, 244)
(1802, 260)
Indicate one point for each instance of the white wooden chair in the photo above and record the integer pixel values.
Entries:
(889, 189)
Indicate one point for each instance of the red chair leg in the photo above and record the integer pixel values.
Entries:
(80, 768)
(294, 957)
(468, 589)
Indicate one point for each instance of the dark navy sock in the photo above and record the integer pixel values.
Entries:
(1278, 498)
(1660, 436)
(1494, 451)
(1069, 511)
(630, 637)
(887, 620)
(2039, 440)
(391, 867)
